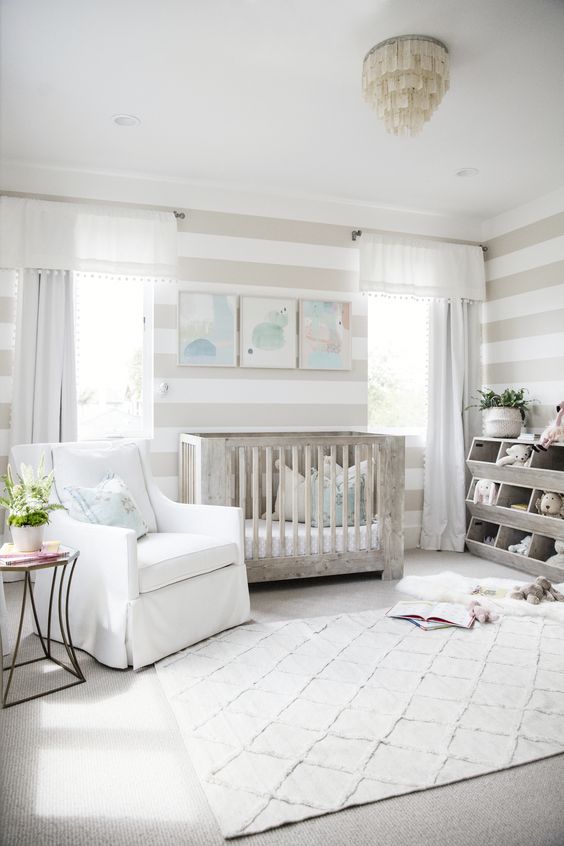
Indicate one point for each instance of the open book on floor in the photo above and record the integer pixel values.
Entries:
(433, 615)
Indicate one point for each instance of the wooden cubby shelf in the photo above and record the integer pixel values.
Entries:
(494, 528)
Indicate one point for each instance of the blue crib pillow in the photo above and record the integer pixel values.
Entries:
(109, 504)
(339, 498)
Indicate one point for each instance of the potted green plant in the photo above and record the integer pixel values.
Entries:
(503, 413)
(27, 500)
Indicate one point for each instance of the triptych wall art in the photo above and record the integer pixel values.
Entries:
(269, 331)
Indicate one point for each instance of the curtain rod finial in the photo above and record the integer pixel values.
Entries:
(356, 233)
(179, 215)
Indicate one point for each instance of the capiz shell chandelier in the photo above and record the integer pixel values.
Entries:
(404, 79)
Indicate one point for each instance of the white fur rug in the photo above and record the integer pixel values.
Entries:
(291, 720)
(452, 587)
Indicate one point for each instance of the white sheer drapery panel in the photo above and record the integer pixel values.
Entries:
(454, 365)
(44, 401)
(77, 236)
(398, 265)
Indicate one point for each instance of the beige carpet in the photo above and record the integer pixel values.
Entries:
(104, 763)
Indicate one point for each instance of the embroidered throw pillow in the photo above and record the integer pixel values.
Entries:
(109, 504)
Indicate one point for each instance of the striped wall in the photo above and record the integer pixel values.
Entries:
(523, 329)
(245, 254)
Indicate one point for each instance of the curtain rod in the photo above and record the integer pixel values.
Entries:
(356, 233)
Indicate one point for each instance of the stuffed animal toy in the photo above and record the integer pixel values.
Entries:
(558, 559)
(481, 614)
(485, 491)
(518, 454)
(522, 548)
(536, 591)
(550, 505)
(554, 432)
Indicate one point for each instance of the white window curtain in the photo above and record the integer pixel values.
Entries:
(453, 276)
(44, 398)
(50, 240)
(76, 236)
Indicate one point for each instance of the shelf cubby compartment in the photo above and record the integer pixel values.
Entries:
(537, 494)
(483, 450)
(508, 536)
(552, 459)
(542, 548)
(479, 530)
(510, 495)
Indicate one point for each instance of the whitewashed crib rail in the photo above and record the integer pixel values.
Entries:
(247, 470)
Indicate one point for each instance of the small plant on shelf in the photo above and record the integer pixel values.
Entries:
(504, 412)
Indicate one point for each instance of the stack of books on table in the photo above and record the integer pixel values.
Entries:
(433, 615)
(10, 558)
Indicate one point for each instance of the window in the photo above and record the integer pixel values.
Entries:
(113, 326)
(397, 362)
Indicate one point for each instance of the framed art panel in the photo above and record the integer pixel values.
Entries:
(207, 329)
(325, 335)
(268, 332)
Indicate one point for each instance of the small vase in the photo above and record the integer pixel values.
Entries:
(502, 422)
(27, 538)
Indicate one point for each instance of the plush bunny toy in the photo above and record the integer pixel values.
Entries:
(485, 491)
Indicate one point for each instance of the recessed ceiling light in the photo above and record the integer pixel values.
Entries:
(126, 120)
(468, 171)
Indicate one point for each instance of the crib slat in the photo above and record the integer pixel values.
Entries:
(369, 492)
(333, 500)
(255, 499)
(307, 473)
(281, 501)
(320, 549)
(268, 454)
(356, 497)
(378, 491)
(345, 498)
(242, 481)
(295, 492)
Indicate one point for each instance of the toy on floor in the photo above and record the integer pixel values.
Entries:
(523, 547)
(550, 505)
(481, 614)
(558, 559)
(554, 432)
(537, 591)
(485, 491)
(518, 454)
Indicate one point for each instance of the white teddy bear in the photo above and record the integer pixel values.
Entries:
(558, 559)
(485, 491)
(519, 454)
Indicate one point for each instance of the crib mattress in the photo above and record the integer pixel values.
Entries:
(301, 550)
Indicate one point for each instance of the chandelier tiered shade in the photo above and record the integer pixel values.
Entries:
(404, 79)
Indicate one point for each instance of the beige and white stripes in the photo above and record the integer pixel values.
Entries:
(240, 254)
(523, 331)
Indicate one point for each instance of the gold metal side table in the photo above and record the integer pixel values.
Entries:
(64, 568)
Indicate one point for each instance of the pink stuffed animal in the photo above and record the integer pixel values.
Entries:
(554, 432)
(481, 614)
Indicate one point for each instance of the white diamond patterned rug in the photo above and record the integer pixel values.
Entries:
(290, 720)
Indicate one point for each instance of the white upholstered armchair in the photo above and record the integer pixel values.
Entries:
(134, 601)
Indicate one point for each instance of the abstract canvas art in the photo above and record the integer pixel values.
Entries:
(325, 335)
(207, 329)
(268, 332)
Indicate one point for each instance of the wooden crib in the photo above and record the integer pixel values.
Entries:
(341, 495)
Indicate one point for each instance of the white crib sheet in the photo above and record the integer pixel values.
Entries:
(302, 539)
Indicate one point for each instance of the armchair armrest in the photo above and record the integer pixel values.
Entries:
(220, 521)
(108, 554)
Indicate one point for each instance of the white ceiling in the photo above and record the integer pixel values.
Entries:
(265, 95)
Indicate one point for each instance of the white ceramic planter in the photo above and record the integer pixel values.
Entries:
(502, 422)
(27, 538)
